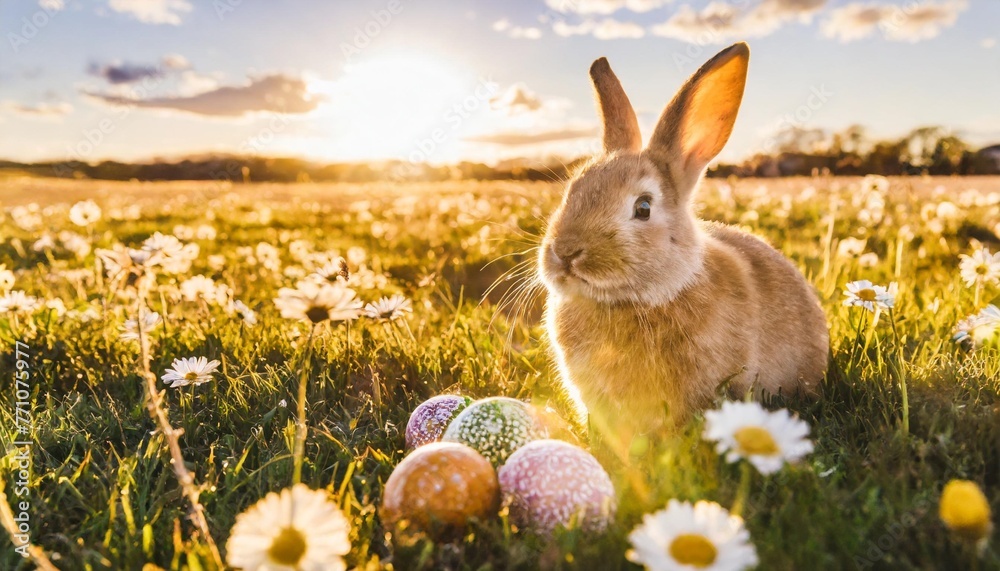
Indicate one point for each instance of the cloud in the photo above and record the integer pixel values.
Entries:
(988, 43)
(910, 23)
(521, 138)
(38, 110)
(120, 73)
(604, 7)
(275, 93)
(517, 32)
(607, 29)
(720, 22)
(52, 5)
(517, 98)
(153, 11)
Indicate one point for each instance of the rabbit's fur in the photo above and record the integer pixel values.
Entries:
(649, 318)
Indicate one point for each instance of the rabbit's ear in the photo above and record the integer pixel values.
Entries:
(697, 123)
(621, 128)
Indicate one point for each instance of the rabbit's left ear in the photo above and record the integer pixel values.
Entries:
(697, 123)
(620, 126)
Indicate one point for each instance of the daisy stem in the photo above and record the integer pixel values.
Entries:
(901, 373)
(979, 286)
(300, 423)
(157, 411)
(743, 493)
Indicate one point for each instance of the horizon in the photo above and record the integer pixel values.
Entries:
(433, 83)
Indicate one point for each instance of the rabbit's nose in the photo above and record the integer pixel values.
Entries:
(565, 254)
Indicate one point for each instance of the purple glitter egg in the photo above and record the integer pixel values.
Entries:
(548, 483)
(429, 421)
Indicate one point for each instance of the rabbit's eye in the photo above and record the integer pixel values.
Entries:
(641, 209)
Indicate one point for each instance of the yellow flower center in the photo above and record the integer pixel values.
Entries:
(317, 314)
(755, 441)
(982, 269)
(288, 547)
(190, 376)
(693, 549)
(867, 294)
(965, 510)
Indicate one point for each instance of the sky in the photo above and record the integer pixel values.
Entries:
(442, 81)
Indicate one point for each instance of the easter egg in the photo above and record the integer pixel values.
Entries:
(547, 483)
(496, 427)
(429, 420)
(440, 486)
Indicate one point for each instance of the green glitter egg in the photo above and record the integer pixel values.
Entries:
(496, 427)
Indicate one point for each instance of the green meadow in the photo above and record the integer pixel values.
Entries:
(103, 489)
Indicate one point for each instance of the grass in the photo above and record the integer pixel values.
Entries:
(104, 496)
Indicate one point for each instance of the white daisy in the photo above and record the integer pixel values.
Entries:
(864, 294)
(851, 247)
(130, 331)
(84, 213)
(200, 287)
(683, 537)
(297, 530)
(875, 183)
(6, 278)
(18, 302)
(318, 302)
(745, 430)
(980, 268)
(163, 245)
(44, 243)
(193, 370)
(333, 271)
(241, 309)
(389, 308)
(979, 329)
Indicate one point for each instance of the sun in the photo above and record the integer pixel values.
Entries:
(391, 107)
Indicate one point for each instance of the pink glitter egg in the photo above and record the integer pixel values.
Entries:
(548, 483)
(429, 421)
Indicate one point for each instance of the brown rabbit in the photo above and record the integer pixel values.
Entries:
(651, 310)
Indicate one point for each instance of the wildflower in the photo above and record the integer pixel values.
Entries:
(75, 243)
(193, 370)
(318, 302)
(6, 279)
(869, 260)
(980, 268)
(44, 243)
(875, 183)
(979, 329)
(334, 271)
(84, 213)
(130, 331)
(965, 511)
(200, 287)
(767, 439)
(851, 247)
(18, 302)
(389, 308)
(864, 294)
(241, 309)
(683, 537)
(298, 529)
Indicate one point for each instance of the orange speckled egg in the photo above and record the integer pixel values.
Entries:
(440, 484)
